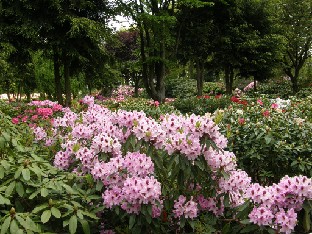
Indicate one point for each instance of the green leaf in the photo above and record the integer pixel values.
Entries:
(41, 207)
(36, 170)
(307, 205)
(306, 221)
(26, 174)
(19, 231)
(76, 204)
(99, 186)
(44, 192)
(56, 212)
(182, 222)
(6, 136)
(69, 189)
(5, 164)
(91, 215)
(5, 225)
(245, 221)
(225, 175)
(20, 189)
(79, 214)
(34, 194)
(249, 229)
(2, 142)
(227, 200)
(158, 162)
(148, 219)
(18, 173)
(2, 172)
(131, 221)
(191, 223)
(85, 226)
(13, 226)
(46, 215)
(73, 224)
(226, 228)
(10, 189)
(65, 223)
(32, 225)
(22, 221)
(150, 210)
(268, 139)
(4, 201)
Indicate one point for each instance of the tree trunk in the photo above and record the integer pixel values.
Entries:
(255, 84)
(200, 77)
(293, 79)
(136, 84)
(28, 96)
(152, 45)
(67, 80)
(7, 85)
(229, 77)
(19, 95)
(57, 77)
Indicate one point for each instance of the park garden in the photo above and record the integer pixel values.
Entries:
(195, 119)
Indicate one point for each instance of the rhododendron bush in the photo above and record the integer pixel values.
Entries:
(270, 137)
(165, 175)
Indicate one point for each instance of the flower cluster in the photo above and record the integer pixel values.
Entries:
(38, 111)
(129, 183)
(276, 205)
(124, 91)
(187, 209)
(250, 86)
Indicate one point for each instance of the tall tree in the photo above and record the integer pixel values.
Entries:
(194, 30)
(154, 20)
(295, 17)
(73, 30)
(235, 36)
(127, 53)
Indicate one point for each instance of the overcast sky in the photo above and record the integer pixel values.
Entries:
(120, 22)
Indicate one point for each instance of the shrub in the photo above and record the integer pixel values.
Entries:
(201, 105)
(149, 107)
(161, 175)
(11, 108)
(213, 88)
(304, 92)
(185, 88)
(275, 88)
(271, 138)
(36, 197)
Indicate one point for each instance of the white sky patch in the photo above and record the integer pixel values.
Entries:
(120, 22)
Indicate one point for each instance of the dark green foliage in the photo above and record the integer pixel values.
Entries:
(142, 104)
(201, 105)
(304, 92)
(184, 88)
(275, 88)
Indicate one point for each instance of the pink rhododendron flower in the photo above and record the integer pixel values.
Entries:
(274, 106)
(25, 118)
(260, 102)
(156, 103)
(34, 117)
(187, 209)
(241, 121)
(15, 120)
(266, 113)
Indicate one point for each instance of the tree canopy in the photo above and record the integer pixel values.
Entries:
(236, 38)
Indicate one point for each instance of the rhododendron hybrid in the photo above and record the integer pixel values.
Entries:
(131, 181)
